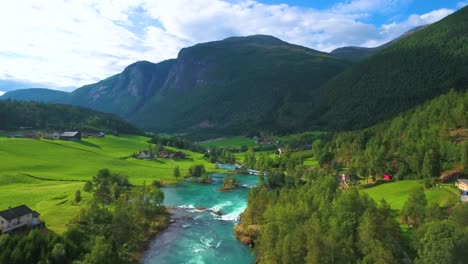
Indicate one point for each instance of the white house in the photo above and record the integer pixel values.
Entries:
(144, 154)
(18, 217)
(462, 184)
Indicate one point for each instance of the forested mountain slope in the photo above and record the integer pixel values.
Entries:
(409, 72)
(15, 114)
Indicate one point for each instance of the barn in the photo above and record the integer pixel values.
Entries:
(70, 135)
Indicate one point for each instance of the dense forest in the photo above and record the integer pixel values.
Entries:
(16, 114)
(319, 223)
(301, 214)
(112, 228)
(417, 144)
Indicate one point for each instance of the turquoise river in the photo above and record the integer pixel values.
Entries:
(203, 235)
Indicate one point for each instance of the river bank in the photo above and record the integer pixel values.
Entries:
(202, 222)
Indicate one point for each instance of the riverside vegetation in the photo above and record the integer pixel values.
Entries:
(346, 225)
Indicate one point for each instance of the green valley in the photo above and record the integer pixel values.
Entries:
(358, 155)
(46, 173)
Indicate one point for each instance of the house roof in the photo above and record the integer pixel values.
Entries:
(69, 134)
(15, 212)
(465, 181)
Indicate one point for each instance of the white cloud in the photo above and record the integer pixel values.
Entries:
(395, 29)
(75, 42)
(2, 93)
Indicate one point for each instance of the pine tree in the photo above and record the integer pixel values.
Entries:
(176, 172)
(78, 196)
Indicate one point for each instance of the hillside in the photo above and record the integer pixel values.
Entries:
(35, 94)
(15, 114)
(407, 73)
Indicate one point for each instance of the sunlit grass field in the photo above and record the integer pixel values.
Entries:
(397, 193)
(45, 174)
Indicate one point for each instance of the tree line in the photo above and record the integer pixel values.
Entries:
(16, 114)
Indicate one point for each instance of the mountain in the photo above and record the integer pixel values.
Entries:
(239, 83)
(359, 53)
(407, 73)
(230, 85)
(35, 94)
(125, 93)
(15, 114)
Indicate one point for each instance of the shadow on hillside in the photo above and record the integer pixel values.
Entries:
(89, 144)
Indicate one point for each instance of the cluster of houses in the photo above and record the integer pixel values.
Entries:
(462, 184)
(146, 154)
(19, 218)
(66, 135)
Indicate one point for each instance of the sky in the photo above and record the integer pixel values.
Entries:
(62, 44)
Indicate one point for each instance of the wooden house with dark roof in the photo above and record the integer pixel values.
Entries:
(70, 135)
(18, 217)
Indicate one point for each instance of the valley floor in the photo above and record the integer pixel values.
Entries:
(45, 174)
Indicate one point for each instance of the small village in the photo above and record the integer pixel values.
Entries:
(29, 132)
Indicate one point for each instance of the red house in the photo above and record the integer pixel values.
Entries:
(387, 177)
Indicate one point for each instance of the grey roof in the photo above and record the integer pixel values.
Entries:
(69, 134)
(15, 212)
(463, 180)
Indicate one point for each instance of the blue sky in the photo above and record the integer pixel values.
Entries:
(69, 43)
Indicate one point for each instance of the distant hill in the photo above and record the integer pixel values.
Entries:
(15, 114)
(359, 53)
(407, 73)
(35, 94)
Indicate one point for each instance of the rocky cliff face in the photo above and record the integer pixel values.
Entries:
(124, 93)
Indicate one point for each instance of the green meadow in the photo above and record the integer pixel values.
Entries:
(45, 174)
(397, 193)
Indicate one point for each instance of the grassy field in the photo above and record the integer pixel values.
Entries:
(238, 141)
(45, 174)
(68, 160)
(396, 193)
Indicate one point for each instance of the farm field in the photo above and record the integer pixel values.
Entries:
(68, 160)
(396, 193)
(45, 174)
